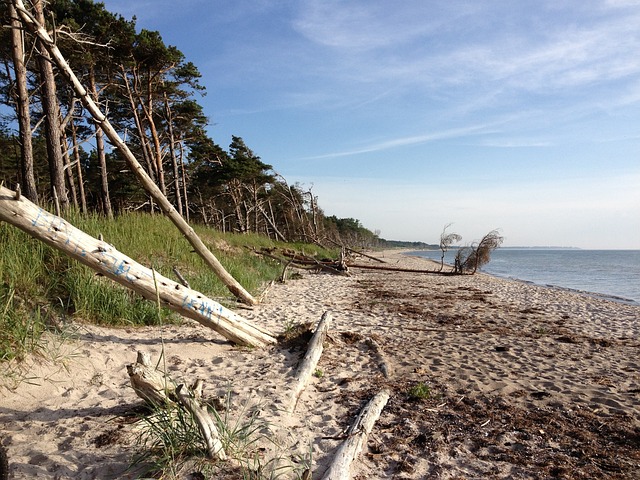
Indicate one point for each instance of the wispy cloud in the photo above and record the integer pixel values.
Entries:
(411, 140)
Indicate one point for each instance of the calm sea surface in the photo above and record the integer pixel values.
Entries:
(613, 273)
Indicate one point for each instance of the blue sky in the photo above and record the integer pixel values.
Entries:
(412, 114)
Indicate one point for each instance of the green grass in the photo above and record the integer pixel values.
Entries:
(168, 443)
(38, 283)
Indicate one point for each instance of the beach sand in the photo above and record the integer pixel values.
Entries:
(519, 381)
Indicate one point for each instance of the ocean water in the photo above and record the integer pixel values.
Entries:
(613, 273)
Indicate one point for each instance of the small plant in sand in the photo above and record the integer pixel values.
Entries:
(420, 391)
(318, 373)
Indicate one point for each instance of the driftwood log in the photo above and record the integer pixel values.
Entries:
(309, 362)
(58, 59)
(157, 388)
(149, 383)
(106, 260)
(204, 421)
(340, 468)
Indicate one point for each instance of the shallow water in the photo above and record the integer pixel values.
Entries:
(614, 273)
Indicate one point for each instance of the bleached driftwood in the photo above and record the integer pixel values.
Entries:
(157, 388)
(149, 383)
(204, 422)
(340, 468)
(310, 361)
(105, 259)
(382, 359)
(31, 24)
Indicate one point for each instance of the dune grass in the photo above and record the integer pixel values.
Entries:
(39, 285)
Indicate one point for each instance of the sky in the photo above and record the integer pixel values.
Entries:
(409, 115)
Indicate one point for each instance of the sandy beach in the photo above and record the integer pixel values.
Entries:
(522, 381)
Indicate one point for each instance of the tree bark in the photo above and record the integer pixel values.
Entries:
(340, 468)
(105, 259)
(28, 178)
(232, 284)
(51, 111)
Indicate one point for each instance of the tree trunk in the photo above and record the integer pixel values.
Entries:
(144, 144)
(155, 137)
(172, 152)
(184, 183)
(357, 437)
(231, 283)
(76, 159)
(68, 170)
(107, 209)
(27, 175)
(51, 111)
(105, 259)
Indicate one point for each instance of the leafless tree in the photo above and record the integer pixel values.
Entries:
(470, 258)
(446, 240)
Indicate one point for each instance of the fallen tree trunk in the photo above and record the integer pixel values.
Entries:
(105, 259)
(396, 269)
(340, 468)
(310, 361)
(210, 259)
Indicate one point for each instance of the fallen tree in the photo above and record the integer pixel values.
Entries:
(106, 260)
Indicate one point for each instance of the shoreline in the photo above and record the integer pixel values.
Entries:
(606, 296)
(521, 381)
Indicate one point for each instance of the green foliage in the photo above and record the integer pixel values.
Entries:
(420, 391)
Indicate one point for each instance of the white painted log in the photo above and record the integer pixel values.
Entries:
(105, 259)
(309, 362)
(340, 468)
(63, 66)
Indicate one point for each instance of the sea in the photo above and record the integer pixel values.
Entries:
(609, 273)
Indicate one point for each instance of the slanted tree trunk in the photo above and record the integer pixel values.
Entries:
(27, 175)
(76, 159)
(107, 209)
(51, 111)
(68, 170)
(231, 283)
(105, 259)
